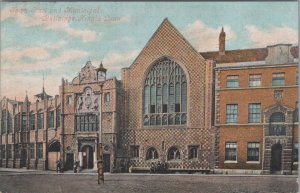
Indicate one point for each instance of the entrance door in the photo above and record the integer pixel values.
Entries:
(88, 157)
(276, 158)
(70, 161)
(23, 157)
(106, 162)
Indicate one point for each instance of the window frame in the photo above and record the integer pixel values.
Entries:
(58, 117)
(50, 119)
(226, 160)
(191, 147)
(174, 156)
(153, 153)
(252, 116)
(249, 148)
(232, 115)
(84, 123)
(135, 151)
(40, 120)
(253, 79)
(31, 151)
(232, 81)
(277, 78)
(39, 151)
(31, 121)
(69, 100)
(296, 153)
(107, 97)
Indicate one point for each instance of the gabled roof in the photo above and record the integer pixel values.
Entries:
(166, 26)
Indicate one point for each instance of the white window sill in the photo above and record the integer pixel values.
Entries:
(230, 162)
(253, 162)
(295, 163)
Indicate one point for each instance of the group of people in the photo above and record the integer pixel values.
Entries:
(59, 167)
(159, 168)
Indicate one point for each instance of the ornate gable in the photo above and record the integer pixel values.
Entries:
(88, 74)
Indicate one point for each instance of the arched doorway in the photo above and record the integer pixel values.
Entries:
(276, 157)
(87, 157)
(53, 154)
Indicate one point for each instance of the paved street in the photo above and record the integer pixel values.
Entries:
(49, 182)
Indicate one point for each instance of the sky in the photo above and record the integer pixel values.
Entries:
(58, 38)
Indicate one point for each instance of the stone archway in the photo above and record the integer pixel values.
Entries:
(276, 156)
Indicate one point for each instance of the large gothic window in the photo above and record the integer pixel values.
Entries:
(165, 95)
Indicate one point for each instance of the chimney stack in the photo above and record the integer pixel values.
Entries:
(222, 38)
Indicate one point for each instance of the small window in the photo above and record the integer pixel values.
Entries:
(173, 154)
(107, 97)
(24, 122)
(278, 79)
(232, 82)
(255, 80)
(253, 152)
(151, 154)
(50, 119)
(254, 111)
(58, 117)
(230, 152)
(165, 108)
(295, 156)
(9, 151)
(193, 152)
(17, 151)
(177, 107)
(39, 150)
(31, 151)
(3, 153)
(40, 120)
(231, 113)
(32, 121)
(135, 151)
(152, 108)
(69, 100)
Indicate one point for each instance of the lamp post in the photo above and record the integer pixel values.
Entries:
(101, 76)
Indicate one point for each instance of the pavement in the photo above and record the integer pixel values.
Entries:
(36, 181)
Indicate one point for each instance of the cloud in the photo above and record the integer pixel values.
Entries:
(205, 38)
(37, 53)
(260, 38)
(28, 75)
(39, 18)
(31, 84)
(66, 57)
(123, 39)
(116, 60)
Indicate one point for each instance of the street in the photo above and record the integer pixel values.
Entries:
(47, 182)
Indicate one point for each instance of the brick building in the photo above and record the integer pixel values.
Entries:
(256, 108)
(212, 111)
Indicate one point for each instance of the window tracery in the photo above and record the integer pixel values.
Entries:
(165, 94)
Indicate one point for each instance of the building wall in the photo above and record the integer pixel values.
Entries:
(168, 42)
(243, 132)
